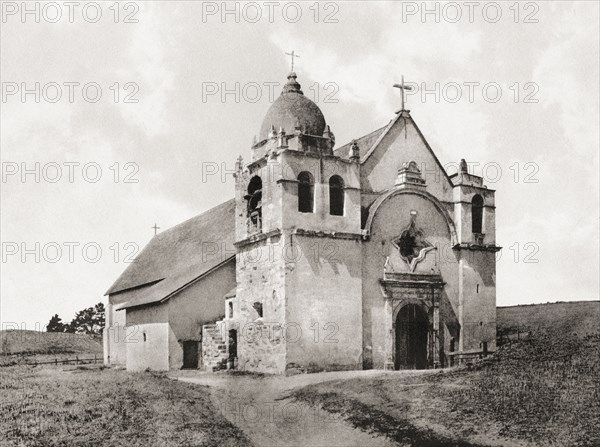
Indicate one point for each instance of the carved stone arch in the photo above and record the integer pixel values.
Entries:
(424, 194)
(398, 305)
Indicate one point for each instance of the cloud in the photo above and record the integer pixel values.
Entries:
(149, 71)
(171, 132)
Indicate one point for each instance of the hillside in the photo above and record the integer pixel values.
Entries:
(33, 342)
(578, 317)
(541, 389)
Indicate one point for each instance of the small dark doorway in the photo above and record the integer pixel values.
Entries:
(412, 326)
(232, 344)
(190, 354)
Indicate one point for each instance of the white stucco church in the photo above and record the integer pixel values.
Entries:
(365, 255)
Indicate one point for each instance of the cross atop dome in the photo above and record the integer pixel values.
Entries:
(292, 55)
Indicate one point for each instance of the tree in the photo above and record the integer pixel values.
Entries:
(88, 321)
(55, 324)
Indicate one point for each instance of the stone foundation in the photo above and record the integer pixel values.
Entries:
(262, 349)
(214, 348)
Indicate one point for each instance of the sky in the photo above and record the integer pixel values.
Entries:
(114, 119)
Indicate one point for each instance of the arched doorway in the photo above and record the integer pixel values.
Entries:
(412, 327)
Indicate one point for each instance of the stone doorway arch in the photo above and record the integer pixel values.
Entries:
(412, 306)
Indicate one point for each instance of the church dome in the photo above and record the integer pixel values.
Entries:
(293, 109)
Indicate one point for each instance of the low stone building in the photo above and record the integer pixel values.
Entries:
(364, 256)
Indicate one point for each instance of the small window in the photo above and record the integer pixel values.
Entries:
(230, 306)
(477, 213)
(336, 196)
(306, 192)
(258, 307)
(144, 336)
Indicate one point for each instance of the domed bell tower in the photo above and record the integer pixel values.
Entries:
(298, 241)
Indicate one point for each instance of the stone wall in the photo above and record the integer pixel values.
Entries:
(263, 347)
(214, 348)
(261, 279)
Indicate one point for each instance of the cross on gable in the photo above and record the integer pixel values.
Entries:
(292, 55)
(155, 228)
(403, 88)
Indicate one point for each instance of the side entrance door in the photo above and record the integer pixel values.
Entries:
(190, 354)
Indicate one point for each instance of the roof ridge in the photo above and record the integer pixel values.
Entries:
(212, 209)
(177, 253)
(364, 136)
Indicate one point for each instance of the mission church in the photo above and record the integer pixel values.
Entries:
(366, 255)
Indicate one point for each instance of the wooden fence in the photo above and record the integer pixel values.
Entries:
(73, 360)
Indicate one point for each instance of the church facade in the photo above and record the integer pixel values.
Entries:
(368, 255)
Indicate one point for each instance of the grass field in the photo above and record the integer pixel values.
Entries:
(88, 406)
(579, 317)
(543, 390)
(21, 347)
(33, 342)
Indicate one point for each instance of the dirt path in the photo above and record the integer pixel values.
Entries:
(259, 406)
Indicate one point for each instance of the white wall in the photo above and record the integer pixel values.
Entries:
(151, 351)
(114, 337)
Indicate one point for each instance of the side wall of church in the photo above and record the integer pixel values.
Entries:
(200, 303)
(324, 310)
(391, 219)
(478, 291)
(148, 338)
(114, 336)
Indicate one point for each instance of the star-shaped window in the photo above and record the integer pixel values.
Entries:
(412, 245)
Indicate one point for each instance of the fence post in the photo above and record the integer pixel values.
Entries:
(76, 359)
(55, 361)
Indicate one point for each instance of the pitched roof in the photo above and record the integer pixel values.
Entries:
(364, 143)
(368, 143)
(177, 256)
